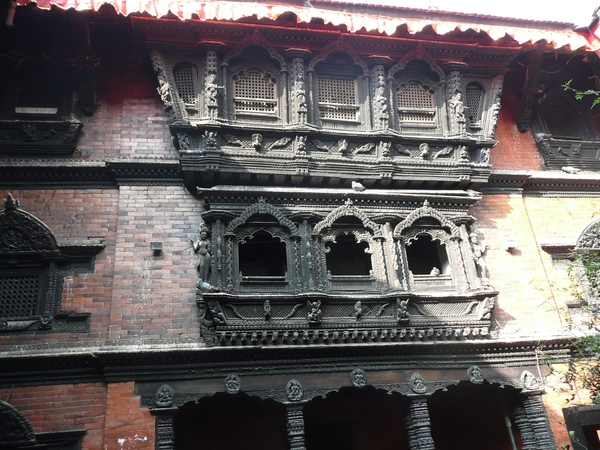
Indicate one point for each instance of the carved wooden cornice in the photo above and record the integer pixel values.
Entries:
(158, 360)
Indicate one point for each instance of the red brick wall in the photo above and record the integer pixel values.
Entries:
(154, 296)
(63, 407)
(515, 150)
(127, 425)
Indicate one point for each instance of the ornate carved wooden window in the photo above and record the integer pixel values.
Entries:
(21, 294)
(416, 104)
(426, 256)
(254, 93)
(338, 98)
(563, 121)
(186, 80)
(474, 97)
(32, 267)
(262, 257)
(348, 255)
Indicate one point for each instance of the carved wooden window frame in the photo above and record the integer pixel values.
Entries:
(250, 113)
(343, 282)
(475, 118)
(424, 117)
(346, 107)
(269, 72)
(243, 234)
(575, 111)
(433, 282)
(194, 81)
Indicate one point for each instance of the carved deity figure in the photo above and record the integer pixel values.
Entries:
(458, 110)
(381, 106)
(424, 150)
(478, 252)
(257, 141)
(385, 149)
(314, 313)
(211, 140)
(164, 90)
(202, 248)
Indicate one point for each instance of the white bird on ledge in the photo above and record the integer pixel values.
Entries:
(358, 186)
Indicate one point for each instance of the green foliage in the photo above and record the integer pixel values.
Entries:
(579, 95)
(584, 363)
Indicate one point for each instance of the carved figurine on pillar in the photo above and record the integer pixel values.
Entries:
(382, 115)
(211, 90)
(458, 113)
(478, 252)
(202, 248)
(301, 105)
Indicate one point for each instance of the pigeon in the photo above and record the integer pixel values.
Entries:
(358, 186)
(570, 169)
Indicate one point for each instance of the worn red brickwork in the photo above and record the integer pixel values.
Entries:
(127, 425)
(63, 407)
(130, 120)
(515, 150)
(154, 296)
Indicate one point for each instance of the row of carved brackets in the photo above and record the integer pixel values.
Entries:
(295, 392)
(301, 145)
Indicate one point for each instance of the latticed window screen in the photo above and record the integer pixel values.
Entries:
(185, 81)
(254, 93)
(561, 124)
(473, 98)
(337, 98)
(19, 296)
(415, 104)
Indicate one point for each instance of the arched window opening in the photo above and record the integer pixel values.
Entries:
(254, 93)
(474, 101)
(348, 257)
(416, 104)
(185, 75)
(262, 255)
(426, 255)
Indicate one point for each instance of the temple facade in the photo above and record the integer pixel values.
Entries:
(288, 226)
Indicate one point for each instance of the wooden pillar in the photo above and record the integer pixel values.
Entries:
(538, 420)
(418, 425)
(165, 433)
(295, 426)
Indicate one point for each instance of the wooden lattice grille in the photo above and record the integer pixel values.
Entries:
(561, 125)
(19, 296)
(415, 104)
(185, 82)
(473, 98)
(254, 93)
(337, 99)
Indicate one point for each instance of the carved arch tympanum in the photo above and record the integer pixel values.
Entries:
(262, 207)
(15, 429)
(425, 211)
(348, 209)
(255, 39)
